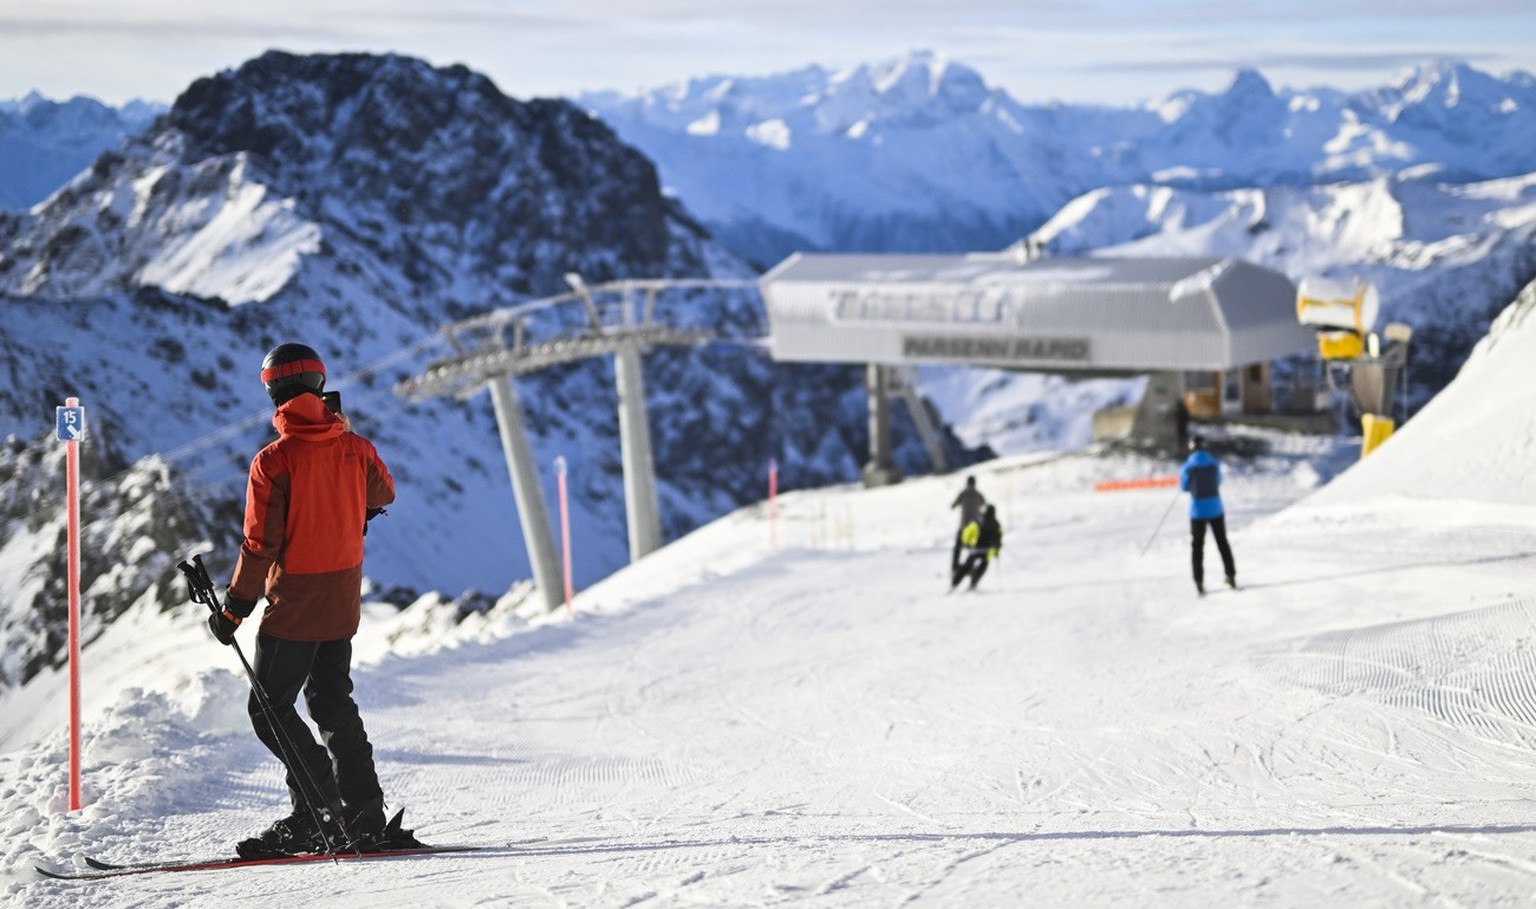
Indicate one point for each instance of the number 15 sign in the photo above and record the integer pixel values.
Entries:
(71, 422)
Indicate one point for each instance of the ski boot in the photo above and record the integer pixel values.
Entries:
(296, 834)
(364, 825)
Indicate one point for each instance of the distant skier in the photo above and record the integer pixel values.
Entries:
(983, 538)
(1201, 478)
(970, 502)
(307, 504)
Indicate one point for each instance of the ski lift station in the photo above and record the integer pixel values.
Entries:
(1205, 330)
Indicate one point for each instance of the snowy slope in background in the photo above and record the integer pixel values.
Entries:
(1484, 416)
(1012, 413)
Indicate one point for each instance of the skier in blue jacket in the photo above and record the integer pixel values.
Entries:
(1201, 478)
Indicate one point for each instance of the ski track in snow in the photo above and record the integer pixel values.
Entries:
(724, 725)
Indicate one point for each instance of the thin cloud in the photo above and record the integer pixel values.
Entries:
(12, 27)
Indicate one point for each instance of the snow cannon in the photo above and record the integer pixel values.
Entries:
(1356, 362)
(1343, 314)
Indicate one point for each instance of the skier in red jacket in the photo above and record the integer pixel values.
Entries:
(310, 495)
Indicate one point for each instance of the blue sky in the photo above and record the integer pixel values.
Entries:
(1102, 51)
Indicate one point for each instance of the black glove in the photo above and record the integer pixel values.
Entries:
(223, 624)
(369, 515)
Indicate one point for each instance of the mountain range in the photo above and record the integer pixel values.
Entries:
(1421, 186)
(44, 143)
(359, 202)
(917, 153)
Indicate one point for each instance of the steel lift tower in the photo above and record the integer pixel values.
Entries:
(616, 319)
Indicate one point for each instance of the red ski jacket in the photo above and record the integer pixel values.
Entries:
(305, 508)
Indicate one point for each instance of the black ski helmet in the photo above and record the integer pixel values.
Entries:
(290, 370)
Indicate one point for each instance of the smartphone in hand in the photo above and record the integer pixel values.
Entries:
(332, 401)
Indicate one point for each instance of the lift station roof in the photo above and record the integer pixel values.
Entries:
(1089, 315)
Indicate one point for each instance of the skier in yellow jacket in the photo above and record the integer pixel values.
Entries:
(983, 538)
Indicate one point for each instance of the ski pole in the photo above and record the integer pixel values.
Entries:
(200, 590)
(1160, 521)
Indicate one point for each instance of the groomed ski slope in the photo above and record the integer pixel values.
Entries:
(730, 724)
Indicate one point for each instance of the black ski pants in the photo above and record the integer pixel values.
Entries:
(1218, 527)
(973, 567)
(323, 671)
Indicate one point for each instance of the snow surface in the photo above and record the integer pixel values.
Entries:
(730, 722)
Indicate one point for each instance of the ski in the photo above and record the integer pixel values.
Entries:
(100, 869)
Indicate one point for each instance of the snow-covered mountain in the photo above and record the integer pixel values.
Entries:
(915, 154)
(1420, 186)
(358, 203)
(918, 153)
(44, 143)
